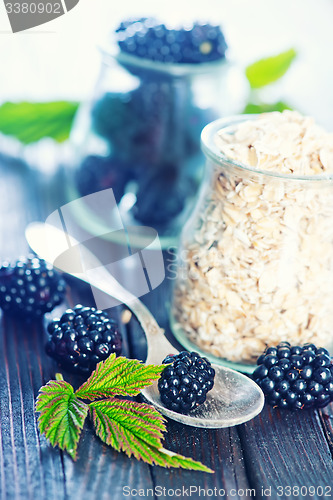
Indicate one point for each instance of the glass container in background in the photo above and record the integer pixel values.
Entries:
(140, 136)
(255, 263)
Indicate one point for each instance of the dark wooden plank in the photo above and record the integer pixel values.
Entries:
(291, 449)
(279, 448)
(285, 448)
(219, 449)
(101, 472)
(29, 467)
(326, 418)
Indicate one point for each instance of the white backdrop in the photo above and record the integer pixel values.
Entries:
(60, 59)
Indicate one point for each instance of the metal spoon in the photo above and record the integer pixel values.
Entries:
(234, 399)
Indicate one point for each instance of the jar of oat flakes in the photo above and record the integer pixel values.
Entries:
(256, 257)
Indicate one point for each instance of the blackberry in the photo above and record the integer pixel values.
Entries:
(97, 173)
(81, 338)
(132, 20)
(30, 287)
(295, 377)
(149, 39)
(118, 117)
(111, 113)
(184, 384)
(153, 205)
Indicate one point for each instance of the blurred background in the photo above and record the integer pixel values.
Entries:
(137, 130)
(60, 59)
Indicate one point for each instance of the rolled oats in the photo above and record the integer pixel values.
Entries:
(259, 261)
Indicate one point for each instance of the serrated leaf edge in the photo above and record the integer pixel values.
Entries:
(153, 419)
(99, 386)
(153, 455)
(141, 448)
(51, 417)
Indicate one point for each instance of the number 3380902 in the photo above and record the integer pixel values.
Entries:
(33, 8)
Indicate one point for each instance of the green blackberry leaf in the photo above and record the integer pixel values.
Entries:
(118, 377)
(62, 415)
(253, 108)
(270, 69)
(136, 429)
(140, 419)
(31, 121)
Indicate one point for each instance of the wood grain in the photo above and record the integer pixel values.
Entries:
(29, 467)
(326, 418)
(101, 472)
(218, 449)
(286, 448)
(275, 448)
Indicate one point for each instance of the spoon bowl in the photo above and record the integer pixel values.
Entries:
(234, 399)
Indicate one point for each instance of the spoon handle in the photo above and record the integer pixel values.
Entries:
(157, 344)
(52, 243)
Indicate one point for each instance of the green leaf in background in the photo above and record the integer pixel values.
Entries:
(270, 69)
(31, 121)
(256, 108)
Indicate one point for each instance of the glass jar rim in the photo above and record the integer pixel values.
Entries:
(174, 69)
(211, 150)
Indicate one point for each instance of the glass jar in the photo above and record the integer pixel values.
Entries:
(255, 260)
(140, 136)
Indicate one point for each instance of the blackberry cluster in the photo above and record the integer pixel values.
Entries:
(149, 39)
(119, 118)
(295, 377)
(131, 20)
(81, 338)
(97, 173)
(149, 155)
(111, 117)
(155, 125)
(30, 287)
(184, 384)
(152, 206)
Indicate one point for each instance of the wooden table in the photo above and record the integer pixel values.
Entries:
(279, 454)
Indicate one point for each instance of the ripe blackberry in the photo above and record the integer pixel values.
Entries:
(130, 21)
(149, 39)
(152, 207)
(184, 384)
(118, 117)
(81, 338)
(30, 287)
(97, 173)
(295, 377)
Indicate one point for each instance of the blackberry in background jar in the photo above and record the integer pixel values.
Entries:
(159, 86)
